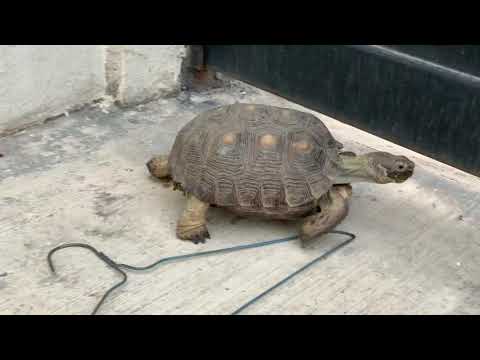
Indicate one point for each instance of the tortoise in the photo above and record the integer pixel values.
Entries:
(270, 162)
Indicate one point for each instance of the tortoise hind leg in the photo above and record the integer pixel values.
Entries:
(158, 167)
(334, 208)
(192, 225)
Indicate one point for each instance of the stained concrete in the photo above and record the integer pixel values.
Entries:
(82, 178)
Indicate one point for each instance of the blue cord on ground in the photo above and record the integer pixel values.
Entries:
(118, 267)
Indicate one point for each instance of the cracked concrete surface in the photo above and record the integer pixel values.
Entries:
(82, 178)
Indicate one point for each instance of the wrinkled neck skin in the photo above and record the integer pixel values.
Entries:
(353, 169)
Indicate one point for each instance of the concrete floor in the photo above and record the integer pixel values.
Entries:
(82, 178)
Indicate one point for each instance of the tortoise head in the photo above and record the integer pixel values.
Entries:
(374, 167)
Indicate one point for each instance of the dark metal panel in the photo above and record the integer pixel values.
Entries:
(464, 58)
(425, 99)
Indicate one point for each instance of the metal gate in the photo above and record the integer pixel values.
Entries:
(423, 97)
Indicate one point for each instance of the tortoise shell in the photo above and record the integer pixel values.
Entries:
(256, 157)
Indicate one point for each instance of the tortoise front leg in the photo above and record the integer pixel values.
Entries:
(158, 166)
(192, 225)
(334, 208)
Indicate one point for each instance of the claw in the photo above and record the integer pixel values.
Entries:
(196, 236)
(198, 239)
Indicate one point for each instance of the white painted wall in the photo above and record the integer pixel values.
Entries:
(42, 81)
(147, 71)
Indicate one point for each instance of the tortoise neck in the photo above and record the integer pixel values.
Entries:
(353, 169)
